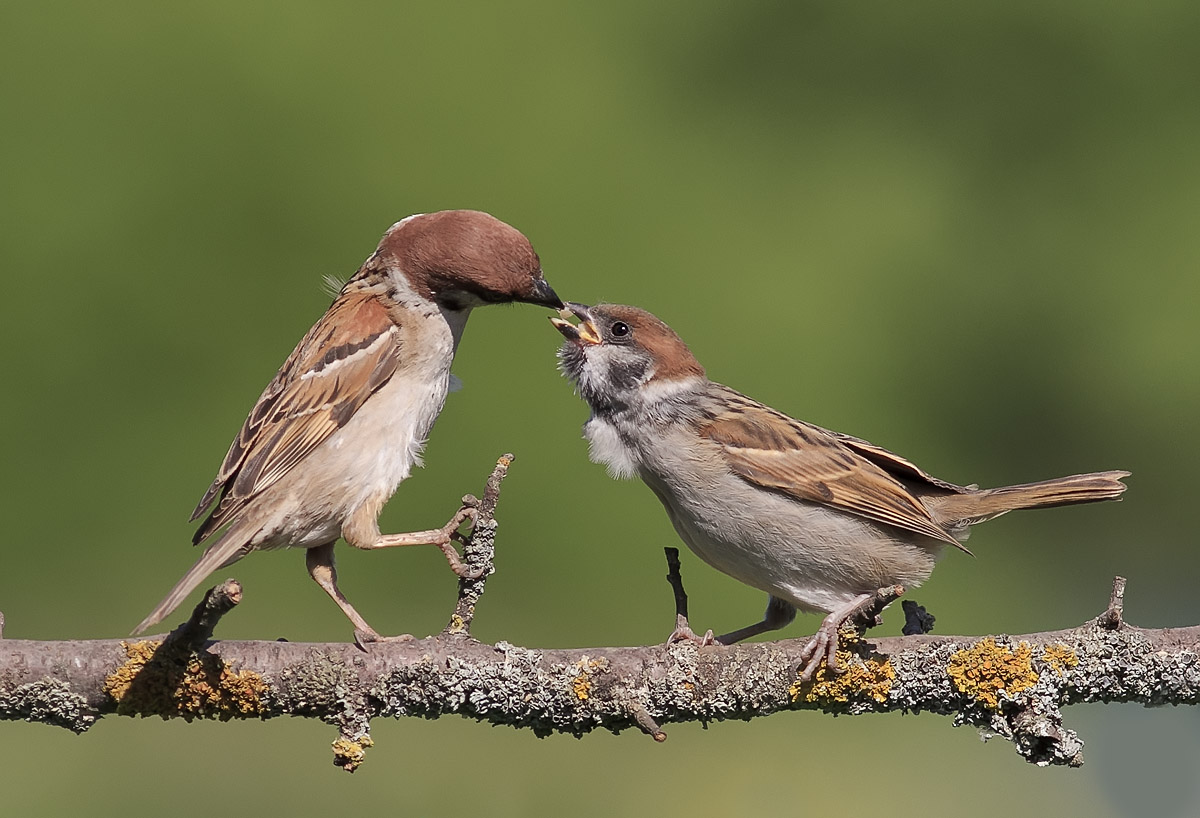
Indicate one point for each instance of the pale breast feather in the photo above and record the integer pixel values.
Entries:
(607, 448)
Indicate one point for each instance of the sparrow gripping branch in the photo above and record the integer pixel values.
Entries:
(344, 420)
(819, 520)
(1009, 686)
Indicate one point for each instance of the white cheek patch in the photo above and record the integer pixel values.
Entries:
(608, 449)
(657, 391)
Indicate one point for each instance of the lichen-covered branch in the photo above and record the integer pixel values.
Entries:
(1013, 686)
(1010, 686)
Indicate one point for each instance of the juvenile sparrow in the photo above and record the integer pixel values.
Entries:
(817, 519)
(345, 418)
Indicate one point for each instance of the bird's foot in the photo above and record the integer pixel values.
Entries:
(860, 613)
(684, 633)
(366, 636)
(821, 648)
(450, 534)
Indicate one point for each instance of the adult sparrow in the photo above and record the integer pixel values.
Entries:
(345, 418)
(817, 519)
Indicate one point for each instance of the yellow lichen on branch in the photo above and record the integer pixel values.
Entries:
(350, 754)
(861, 679)
(157, 682)
(581, 685)
(987, 669)
(1059, 657)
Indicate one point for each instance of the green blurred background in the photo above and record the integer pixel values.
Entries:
(967, 232)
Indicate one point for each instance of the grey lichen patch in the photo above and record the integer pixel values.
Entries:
(328, 687)
(519, 688)
(735, 681)
(716, 683)
(673, 680)
(47, 701)
(1034, 726)
(321, 685)
(415, 690)
(1121, 665)
(921, 683)
(1040, 737)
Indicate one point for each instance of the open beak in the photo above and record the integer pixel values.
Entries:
(581, 334)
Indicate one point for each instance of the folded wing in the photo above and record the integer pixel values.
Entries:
(314, 394)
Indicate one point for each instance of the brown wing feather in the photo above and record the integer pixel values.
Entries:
(896, 465)
(774, 451)
(347, 355)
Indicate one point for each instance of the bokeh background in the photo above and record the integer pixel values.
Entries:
(967, 232)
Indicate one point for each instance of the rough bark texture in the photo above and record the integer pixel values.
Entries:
(1011, 686)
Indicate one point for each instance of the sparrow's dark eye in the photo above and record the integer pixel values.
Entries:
(619, 329)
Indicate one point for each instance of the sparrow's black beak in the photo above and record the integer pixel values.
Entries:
(581, 334)
(543, 295)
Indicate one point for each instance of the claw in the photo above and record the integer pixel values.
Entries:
(463, 572)
(684, 633)
(821, 648)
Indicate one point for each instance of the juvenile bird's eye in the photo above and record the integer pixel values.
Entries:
(619, 329)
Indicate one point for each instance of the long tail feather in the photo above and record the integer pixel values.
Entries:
(230, 548)
(976, 506)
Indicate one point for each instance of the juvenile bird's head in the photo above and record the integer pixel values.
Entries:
(619, 356)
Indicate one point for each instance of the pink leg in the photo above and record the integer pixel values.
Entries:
(443, 538)
(824, 643)
(322, 570)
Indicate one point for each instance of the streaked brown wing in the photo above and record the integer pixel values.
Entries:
(896, 465)
(774, 451)
(347, 355)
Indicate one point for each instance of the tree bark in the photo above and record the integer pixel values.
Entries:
(1010, 686)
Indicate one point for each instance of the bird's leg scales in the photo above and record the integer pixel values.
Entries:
(861, 612)
(824, 643)
(822, 647)
(367, 636)
(779, 614)
(443, 538)
(321, 568)
(468, 510)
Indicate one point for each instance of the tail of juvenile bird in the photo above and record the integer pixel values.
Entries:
(978, 505)
(230, 548)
